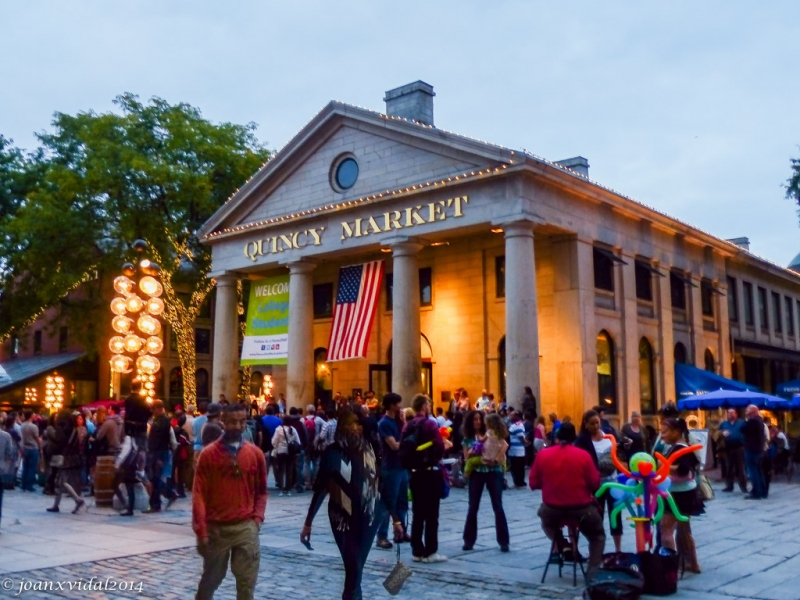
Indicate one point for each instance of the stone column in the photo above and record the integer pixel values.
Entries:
(406, 350)
(225, 364)
(300, 364)
(665, 353)
(723, 331)
(698, 349)
(631, 399)
(522, 326)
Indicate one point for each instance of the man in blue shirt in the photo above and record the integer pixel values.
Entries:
(197, 429)
(731, 431)
(270, 422)
(395, 477)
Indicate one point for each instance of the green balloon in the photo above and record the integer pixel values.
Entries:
(639, 458)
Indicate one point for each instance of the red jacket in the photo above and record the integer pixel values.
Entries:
(566, 475)
(228, 489)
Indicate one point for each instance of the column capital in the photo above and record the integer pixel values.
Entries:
(404, 245)
(301, 266)
(226, 279)
(520, 228)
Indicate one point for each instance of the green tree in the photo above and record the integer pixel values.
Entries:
(793, 183)
(150, 170)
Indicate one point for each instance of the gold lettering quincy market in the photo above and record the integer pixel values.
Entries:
(411, 216)
(279, 243)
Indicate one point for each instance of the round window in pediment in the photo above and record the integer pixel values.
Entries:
(345, 173)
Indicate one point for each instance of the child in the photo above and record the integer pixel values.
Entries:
(490, 447)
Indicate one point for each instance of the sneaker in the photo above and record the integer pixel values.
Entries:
(150, 510)
(289, 493)
(126, 513)
(171, 501)
(504, 548)
(282, 494)
(727, 489)
(466, 547)
(384, 544)
(434, 558)
(416, 558)
(53, 509)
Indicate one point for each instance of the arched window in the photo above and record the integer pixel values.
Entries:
(606, 375)
(176, 384)
(710, 363)
(201, 381)
(256, 381)
(647, 387)
(680, 354)
(501, 366)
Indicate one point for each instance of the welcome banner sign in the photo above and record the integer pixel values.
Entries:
(266, 336)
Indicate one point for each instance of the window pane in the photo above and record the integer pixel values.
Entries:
(425, 287)
(777, 319)
(606, 380)
(646, 379)
(762, 308)
(323, 300)
(644, 288)
(62, 339)
(733, 304)
(706, 299)
(789, 315)
(677, 291)
(680, 355)
(709, 361)
(202, 341)
(37, 342)
(603, 271)
(389, 278)
(500, 276)
(749, 313)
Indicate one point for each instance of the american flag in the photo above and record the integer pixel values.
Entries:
(356, 301)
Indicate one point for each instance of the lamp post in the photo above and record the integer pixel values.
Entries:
(136, 321)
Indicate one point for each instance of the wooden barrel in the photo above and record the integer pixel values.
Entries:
(104, 481)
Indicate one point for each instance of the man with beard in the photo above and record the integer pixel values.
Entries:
(229, 499)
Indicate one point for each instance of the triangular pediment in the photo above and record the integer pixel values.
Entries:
(391, 154)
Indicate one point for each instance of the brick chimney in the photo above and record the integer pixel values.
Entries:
(412, 101)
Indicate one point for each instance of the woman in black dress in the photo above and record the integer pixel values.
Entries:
(348, 472)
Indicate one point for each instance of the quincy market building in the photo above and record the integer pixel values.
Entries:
(503, 270)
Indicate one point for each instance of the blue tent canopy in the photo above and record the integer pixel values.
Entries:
(732, 399)
(788, 388)
(691, 381)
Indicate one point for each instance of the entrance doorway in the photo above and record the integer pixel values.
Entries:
(380, 375)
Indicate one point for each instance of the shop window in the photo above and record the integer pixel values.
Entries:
(201, 383)
(644, 281)
(789, 315)
(63, 333)
(710, 363)
(747, 299)
(37, 342)
(500, 276)
(733, 301)
(777, 318)
(763, 311)
(647, 387)
(603, 270)
(323, 300)
(256, 382)
(202, 341)
(677, 291)
(606, 376)
(176, 384)
(680, 355)
(707, 298)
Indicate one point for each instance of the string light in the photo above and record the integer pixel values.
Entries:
(30, 395)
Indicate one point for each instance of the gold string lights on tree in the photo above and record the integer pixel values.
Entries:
(129, 308)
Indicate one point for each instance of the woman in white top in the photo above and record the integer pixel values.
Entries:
(285, 459)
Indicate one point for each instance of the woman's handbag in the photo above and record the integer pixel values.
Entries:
(704, 488)
(294, 447)
(394, 582)
(57, 461)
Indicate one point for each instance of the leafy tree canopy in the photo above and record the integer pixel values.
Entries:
(99, 181)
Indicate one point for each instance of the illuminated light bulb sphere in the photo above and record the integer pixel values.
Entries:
(149, 385)
(121, 324)
(129, 269)
(148, 325)
(123, 285)
(119, 306)
(117, 344)
(151, 287)
(133, 342)
(155, 306)
(134, 303)
(151, 393)
(120, 363)
(145, 264)
(154, 345)
(148, 364)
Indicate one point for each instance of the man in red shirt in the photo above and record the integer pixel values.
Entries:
(568, 480)
(229, 499)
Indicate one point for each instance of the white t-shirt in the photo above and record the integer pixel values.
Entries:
(603, 450)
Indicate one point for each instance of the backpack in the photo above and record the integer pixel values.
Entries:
(411, 438)
(311, 428)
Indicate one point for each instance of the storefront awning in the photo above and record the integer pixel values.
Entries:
(20, 370)
(787, 389)
(691, 381)
(732, 399)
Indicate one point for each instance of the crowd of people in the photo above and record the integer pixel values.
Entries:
(373, 459)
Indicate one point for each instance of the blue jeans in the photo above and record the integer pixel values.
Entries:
(30, 463)
(492, 480)
(752, 461)
(160, 464)
(394, 493)
(311, 468)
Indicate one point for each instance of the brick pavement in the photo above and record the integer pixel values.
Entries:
(747, 550)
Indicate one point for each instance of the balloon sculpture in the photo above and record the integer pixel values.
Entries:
(643, 490)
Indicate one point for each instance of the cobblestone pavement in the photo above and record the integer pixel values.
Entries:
(746, 549)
